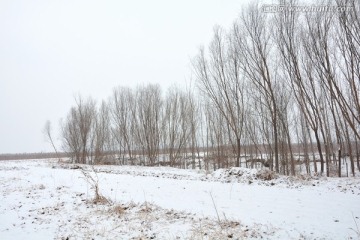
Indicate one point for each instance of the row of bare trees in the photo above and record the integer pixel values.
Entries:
(138, 126)
(288, 77)
(277, 89)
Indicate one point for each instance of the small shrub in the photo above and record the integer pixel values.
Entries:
(94, 182)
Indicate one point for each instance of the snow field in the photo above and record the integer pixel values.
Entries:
(48, 200)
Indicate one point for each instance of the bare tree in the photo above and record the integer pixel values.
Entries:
(47, 131)
(101, 143)
(254, 42)
(346, 92)
(176, 123)
(123, 116)
(71, 136)
(219, 79)
(148, 121)
(77, 129)
(193, 120)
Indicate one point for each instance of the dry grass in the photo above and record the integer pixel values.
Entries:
(100, 199)
(94, 183)
(207, 229)
(119, 210)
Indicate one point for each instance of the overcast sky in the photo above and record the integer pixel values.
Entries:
(52, 50)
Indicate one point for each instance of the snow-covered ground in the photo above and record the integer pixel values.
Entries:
(49, 200)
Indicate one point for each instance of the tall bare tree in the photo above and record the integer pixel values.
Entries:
(254, 42)
(123, 116)
(219, 78)
(177, 123)
(148, 121)
(101, 142)
(77, 129)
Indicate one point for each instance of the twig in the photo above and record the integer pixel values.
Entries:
(357, 227)
(217, 213)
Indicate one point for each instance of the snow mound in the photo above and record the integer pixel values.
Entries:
(244, 175)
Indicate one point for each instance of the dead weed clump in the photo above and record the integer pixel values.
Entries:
(266, 174)
(207, 229)
(100, 199)
(119, 210)
(146, 208)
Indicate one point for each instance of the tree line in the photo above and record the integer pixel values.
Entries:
(279, 89)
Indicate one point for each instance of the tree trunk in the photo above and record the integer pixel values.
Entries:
(238, 153)
(339, 159)
(318, 144)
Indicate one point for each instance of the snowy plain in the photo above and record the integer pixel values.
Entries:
(44, 199)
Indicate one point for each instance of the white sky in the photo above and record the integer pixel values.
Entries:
(52, 50)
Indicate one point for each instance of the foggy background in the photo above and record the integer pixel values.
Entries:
(52, 50)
